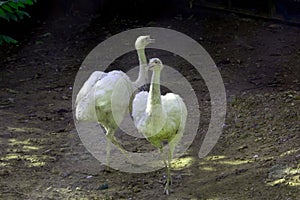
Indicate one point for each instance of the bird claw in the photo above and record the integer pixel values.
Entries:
(167, 187)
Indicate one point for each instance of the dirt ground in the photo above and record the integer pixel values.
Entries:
(257, 156)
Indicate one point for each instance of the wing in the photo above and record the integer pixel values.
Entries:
(176, 112)
(84, 103)
(89, 84)
(177, 115)
(139, 106)
(112, 97)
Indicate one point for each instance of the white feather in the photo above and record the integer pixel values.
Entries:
(83, 104)
(175, 112)
(105, 97)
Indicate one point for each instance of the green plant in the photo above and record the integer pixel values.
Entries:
(13, 10)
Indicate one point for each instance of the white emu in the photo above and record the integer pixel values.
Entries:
(160, 118)
(108, 95)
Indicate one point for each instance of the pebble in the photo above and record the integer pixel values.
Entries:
(103, 186)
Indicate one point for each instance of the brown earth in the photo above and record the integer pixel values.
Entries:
(257, 157)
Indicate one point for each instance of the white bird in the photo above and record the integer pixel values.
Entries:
(160, 118)
(102, 90)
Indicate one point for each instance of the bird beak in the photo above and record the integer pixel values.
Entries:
(150, 40)
(151, 65)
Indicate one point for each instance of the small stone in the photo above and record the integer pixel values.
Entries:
(103, 187)
(136, 190)
(77, 188)
(243, 147)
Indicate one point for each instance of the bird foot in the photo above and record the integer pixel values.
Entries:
(168, 183)
(129, 158)
(166, 190)
(107, 170)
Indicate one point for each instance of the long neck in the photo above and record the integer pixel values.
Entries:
(154, 98)
(143, 72)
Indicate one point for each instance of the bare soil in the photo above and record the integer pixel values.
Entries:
(257, 156)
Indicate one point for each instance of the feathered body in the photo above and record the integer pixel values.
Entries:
(112, 98)
(161, 123)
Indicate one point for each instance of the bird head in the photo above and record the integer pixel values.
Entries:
(155, 64)
(142, 41)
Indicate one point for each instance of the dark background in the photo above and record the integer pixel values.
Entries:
(256, 47)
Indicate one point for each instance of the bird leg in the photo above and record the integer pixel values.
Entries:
(170, 155)
(113, 140)
(167, 186)
(107, 154)
(167, 163)
(168, 167)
